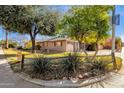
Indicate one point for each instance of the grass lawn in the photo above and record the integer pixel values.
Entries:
(11, 55)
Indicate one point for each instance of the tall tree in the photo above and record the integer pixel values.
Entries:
(87, 21)
(31, 20)
(6, 19)
(35, 20)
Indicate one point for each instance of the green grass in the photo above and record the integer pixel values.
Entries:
(11, 55)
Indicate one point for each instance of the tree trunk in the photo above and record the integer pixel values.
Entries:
(32, 36)
(94, 56)
(6, 40)
(96, 49)
(33, 45)
(83, 48)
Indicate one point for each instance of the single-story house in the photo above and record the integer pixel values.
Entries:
(59, 45)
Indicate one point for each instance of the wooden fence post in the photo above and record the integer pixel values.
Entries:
(22, 62)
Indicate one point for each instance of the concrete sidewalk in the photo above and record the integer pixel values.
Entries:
(8, 79)
(117, 79)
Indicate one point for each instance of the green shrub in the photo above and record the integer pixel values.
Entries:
(118, 62)
(19, 47)
(11, 46)
(41, 65)
(70, 65)
(38, 47)
(28, 45)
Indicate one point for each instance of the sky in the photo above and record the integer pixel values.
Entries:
(120, 28)
(63, 9)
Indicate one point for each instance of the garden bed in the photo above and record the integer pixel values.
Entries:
(66, 68)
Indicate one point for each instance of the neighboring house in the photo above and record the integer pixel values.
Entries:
(59, 45)
(108, 44)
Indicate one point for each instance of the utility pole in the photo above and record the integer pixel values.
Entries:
(113, 38)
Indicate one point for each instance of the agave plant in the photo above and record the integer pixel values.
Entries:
(98, 67)
(70, 65)
(41, 65)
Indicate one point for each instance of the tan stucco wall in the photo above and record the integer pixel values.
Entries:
(72, 46)
(51, 46)
(68, 46)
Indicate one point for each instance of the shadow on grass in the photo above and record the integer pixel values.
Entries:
(2, 56)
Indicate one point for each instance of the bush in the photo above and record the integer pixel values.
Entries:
(41, 65)
(38, 47)
(28, 45)
(19, 47)
(11, 46)
(118, 62)
(70, 65)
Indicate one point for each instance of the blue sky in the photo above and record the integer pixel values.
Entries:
(119, 28)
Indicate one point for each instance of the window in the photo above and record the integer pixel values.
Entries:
(58, 43)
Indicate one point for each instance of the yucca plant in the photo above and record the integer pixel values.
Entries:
(70, 65)
(41, 65)
(98, 67)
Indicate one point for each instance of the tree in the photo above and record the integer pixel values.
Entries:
(6, 15)
(32, 20)
(86, 23)
(118, 43)
(28, 45)
(11, 43)
(36, 20)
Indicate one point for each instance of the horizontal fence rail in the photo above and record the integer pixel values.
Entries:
(60, 58)
(77, 56)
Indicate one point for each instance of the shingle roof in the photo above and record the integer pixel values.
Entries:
(57, 39)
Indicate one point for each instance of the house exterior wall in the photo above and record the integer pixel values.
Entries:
(69, 46)
(59, 45)
(53, 45)
(72, 46)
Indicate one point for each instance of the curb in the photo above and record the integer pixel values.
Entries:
(63, 83)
